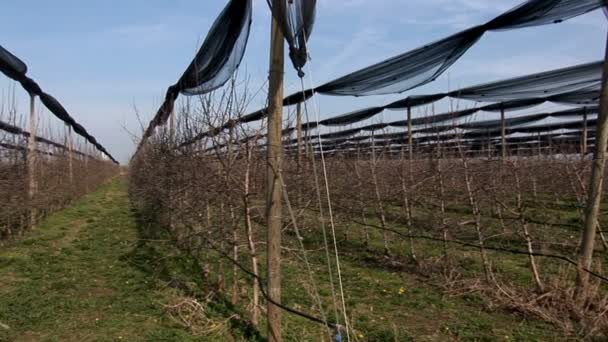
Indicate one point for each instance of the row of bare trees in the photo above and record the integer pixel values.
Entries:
(509, 228)
(32, 185)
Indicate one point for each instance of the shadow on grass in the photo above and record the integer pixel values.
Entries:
(156, 255)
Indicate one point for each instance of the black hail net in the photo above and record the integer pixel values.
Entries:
(14, 68)
(574, 85)
(296, 19)
(216, 61)
(6, 127)
(578, 84)
(488, 128)
(546, 84)
(426, 63)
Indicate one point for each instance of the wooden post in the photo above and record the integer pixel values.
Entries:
(86, 165)
(489, 146)
(409, 136)
(70, 154)
(31, 158)
(503, 131)
(274, 188)
(595, 187)
(585, 130)
(299, 176)
(299, 135)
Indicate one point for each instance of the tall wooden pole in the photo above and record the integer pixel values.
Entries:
(86, 165)
(171, 169)
(410, 143)
(299, 135)
(31, 158)
(503, 131)
(584, 142)
(274, 188)
(299, 153)
(595, 186)
(489, 146)
(70, 155)
(409, 135)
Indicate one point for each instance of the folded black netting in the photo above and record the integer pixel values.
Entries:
(576, 112)
(296, 19)
(375, 127)
(12, 129)
(545, 84)
(56, 108)
(513, 105)
(24, 149)
(553, 127)
(587, 95)
(488, 128)
(352, 117)
(13, 147)
(584, 79)
(388, 136)
(415, 101)
(424, 64)
(497, 124)
(14, 68)
(60, 112)
(405, 71)
(255, 116)
(488, 125)
(298, 97)
(535, 129)
(309, 125)
(431, 119)
(30, 86)
(11, 66)
(340, 134)
(481, 142)
(542, 12)
(491, 124)
(372, 127)
(221, 52)
(216, 61)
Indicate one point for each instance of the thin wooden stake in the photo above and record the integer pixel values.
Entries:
(503, 131)
(409, 138)
(585, 133)
(299, 135)
(70, 155)
(31, 159)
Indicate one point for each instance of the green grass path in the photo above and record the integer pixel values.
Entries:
(83, 275)
(71, 279)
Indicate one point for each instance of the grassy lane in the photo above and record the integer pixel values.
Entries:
(84, 275)
(73, 279)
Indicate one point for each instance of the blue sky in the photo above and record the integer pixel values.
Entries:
(103, 59)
